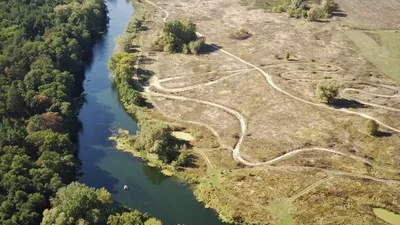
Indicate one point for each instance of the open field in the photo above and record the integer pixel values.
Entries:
(380, 48)
(279, 156)
(370, 14)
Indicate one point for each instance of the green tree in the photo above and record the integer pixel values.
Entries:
(327, 93)
(153, 221)
(15, 101)
(182, 160)
(126, 218)
(155, 137)
(77, 203)
(48, 140)
(180, 36)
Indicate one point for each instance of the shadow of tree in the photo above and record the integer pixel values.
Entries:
(383, 134)
(339, 13)
(146, 60)
(210, 48)
(347, 103)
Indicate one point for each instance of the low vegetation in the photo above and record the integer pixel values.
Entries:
(180, 36)
(372, 127)
(240, 34)
(312, 10)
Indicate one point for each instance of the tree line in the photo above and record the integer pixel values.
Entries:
(43, 44)
(155, 137)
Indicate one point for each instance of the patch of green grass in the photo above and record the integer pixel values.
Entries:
(384, 54)
(282, 210)
(387, 216)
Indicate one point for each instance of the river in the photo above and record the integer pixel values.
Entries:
(150, 191)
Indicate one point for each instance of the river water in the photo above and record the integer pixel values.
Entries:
(166, 198)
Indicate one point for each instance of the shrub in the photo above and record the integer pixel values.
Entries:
(290, 12)
(287, 56)
(135, 26)
(304, 13)
(372, 127)
(182, 160)
(327, 93)
(185, 49)
(124, 42)
(321, 11)
(195, 46)
(240, 34)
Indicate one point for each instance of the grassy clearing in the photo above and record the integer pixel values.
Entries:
(381, 48)
(387, 216)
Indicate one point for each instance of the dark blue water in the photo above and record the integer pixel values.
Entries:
(103, 166)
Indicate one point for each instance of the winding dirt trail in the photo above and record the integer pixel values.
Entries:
(236, 150)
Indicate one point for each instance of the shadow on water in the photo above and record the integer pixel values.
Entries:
(103, 166)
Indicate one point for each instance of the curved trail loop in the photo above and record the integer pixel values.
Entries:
(236, 150)
(172, 90)
(343, 92)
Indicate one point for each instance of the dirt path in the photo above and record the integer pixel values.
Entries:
(309, 188)
(344, 91)
(236, 151)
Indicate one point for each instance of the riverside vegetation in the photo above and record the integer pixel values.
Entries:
(42, 50)
(154, 142)
(287, 190)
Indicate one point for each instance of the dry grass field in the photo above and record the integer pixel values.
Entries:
(277, 155)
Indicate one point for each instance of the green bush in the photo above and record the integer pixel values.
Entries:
(182, 160)
(372, 127)
(304, 13)
(290, 12)
(195, 46)
(322, 11)
(317, 9)
(123, 66)
(155, 137)
(327, 93)
(185, 49)
(240, 34)
(180, 36)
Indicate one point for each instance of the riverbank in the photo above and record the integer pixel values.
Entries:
(103, 166)
(249, 107)
(200, 137)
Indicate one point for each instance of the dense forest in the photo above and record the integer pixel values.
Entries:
(43, 44)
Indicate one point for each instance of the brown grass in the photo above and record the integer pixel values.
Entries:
(277, 124)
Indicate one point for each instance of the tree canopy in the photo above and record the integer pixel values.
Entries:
(42, 47)
(180, 36)
(79, 204)
(327, 93)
